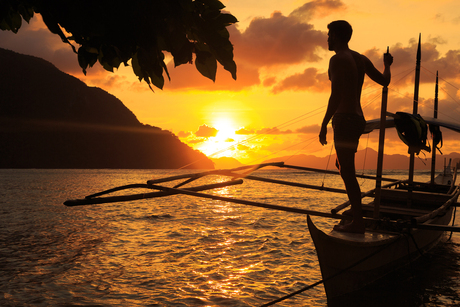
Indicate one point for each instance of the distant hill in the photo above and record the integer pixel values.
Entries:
(49, 119)
(226, 162)
(370, 158)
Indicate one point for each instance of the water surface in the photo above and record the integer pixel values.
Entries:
(180, 250)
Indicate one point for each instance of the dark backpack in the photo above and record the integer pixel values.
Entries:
(412, 130)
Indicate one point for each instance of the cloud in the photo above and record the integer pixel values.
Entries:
(308, 129)
(244, 131)
(196, 141)
(277, 40)
(186, 77)
(35, 39)
(263, 131)
(268, 41)
(184, 134)
(317, 8)
(309, 80)
(206, 131)
(432, 61)
(273, 131)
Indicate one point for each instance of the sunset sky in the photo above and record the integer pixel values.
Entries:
(278, 101)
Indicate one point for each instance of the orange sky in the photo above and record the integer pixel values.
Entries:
(278, 101)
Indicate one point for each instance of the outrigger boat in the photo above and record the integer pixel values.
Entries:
(350, 262)
(403, 219)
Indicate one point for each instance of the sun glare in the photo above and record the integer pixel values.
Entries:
(221, 145)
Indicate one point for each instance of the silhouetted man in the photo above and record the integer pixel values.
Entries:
(346, 72)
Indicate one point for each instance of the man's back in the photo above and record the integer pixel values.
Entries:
(346, 71)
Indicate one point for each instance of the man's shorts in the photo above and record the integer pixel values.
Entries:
(347, 130)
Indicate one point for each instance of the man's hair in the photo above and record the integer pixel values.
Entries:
(341, 29)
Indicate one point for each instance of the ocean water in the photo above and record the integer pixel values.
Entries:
(181, 250)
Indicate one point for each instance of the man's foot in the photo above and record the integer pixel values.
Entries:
(351, 227)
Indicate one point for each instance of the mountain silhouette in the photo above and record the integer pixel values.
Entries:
(49, 119)
(367, 159)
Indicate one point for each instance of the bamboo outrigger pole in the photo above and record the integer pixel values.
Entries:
(415, 110)
(435, 115)
(378, 182)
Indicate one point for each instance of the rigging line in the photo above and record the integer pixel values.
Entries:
(445, 91)
(378, 87)
(312, 139)
(365, 153)
(406, 96)
(333, 275)
(259, 135)
(274, 153)
(285, 124)
(451, 97)
(400, 79)
(372, 100)
(296, 119)
(430, 107)
(327, 164)
(440, 78)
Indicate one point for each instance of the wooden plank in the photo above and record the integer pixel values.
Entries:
(366, 194)
(418, 197)
(121, 198)
(438, 211)
(251, 203)
(317, 170)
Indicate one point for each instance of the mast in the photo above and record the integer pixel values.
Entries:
(378, 182)
(415, 107)
(435, 115)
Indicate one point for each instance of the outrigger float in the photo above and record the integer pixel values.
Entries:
(399, 210)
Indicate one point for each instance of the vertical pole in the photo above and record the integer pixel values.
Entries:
(414, 111)
(378, 182)
(435, 115)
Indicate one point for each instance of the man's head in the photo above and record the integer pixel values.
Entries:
(339, 32)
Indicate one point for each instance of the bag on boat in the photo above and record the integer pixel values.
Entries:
(412, 130)
(436, 135)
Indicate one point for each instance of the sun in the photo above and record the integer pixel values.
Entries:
(226, 130)
(223, 144)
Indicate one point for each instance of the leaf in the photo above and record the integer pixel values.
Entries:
(226, 20)
(215, 4)
(86, 58)
(136, 67)
(206, 64)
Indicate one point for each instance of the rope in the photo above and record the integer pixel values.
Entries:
(327, 164)
(332, 276)
(453, 223)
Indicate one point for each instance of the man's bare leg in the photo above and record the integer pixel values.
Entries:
(346, 160)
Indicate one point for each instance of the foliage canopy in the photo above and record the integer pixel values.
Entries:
(116, 31)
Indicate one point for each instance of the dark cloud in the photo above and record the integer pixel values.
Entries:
(206, 131)
(448, 65)
(277, 40)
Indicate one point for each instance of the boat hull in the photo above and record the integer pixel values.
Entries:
(350, 262)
